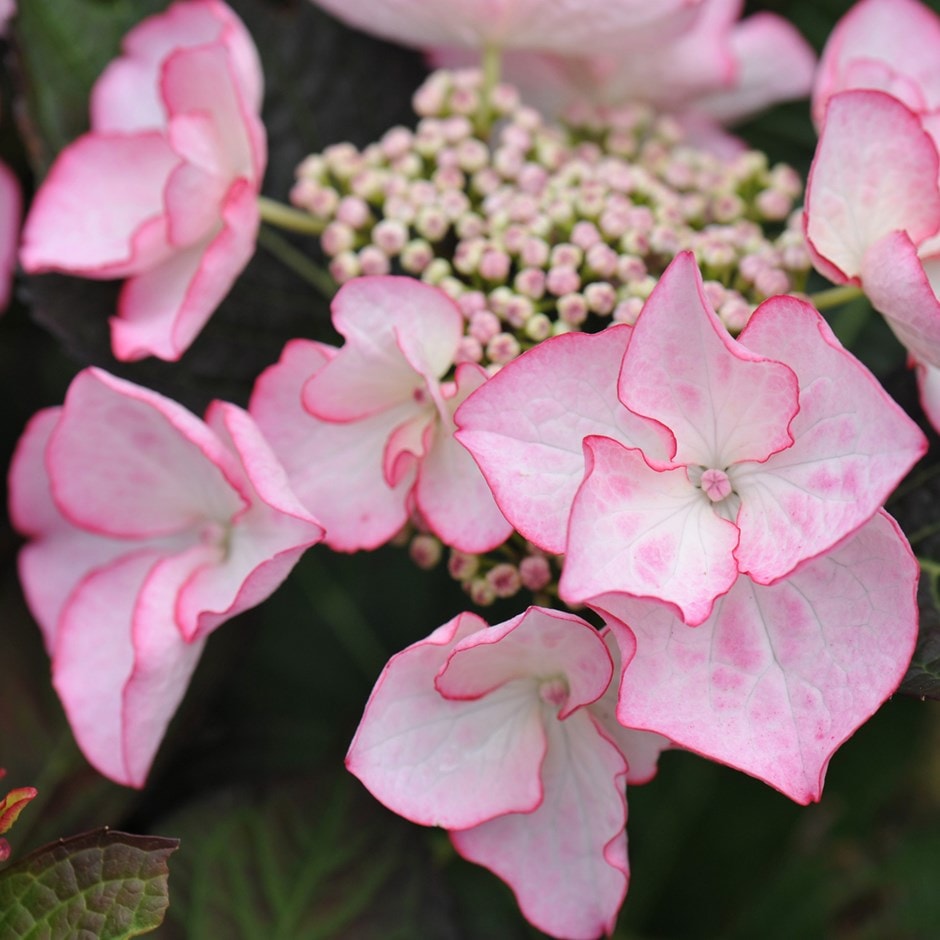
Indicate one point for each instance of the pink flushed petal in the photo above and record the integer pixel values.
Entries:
(928, 384)
(902, 36)
(118, 454)
(399, 332)
(193, 194)
(335, 469)
(566, 861)
(257, 550)
(875, 172)
(161, 311)
(451, 493)
(200, 81)
(640, 748)
(114, 184)
(852, 446)
(407, 444)
(126, 96)
(897, 284)
(540, 643)
(556, 25)
(58, 556)
(11, 212)
(526, 425)
(645, 532)
(722, 402)
(779, 676)
(448, 763)
(774, 63)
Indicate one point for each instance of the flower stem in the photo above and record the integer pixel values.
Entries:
(491, 66)
(287, 217)
(835, 296)
(297, 261)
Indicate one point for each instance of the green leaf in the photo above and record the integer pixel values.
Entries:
(104, 884)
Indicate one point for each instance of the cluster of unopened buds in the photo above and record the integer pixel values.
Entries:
(577, 360)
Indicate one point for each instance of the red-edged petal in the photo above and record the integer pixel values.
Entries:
(778, 677)
(852, 445)
(928, 384)
(127, 462)
(898, 283)
(875, 172)
(566, 862)
(161, 311)
(98, 212)
(448, 763)
(401, 335)
(645, 532)
(526, 425)
(540, 643)
(335, 468)
(722, 402)
(891, 45)
(451, 492)
(120, 673)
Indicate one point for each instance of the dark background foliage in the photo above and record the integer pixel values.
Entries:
(277, 841)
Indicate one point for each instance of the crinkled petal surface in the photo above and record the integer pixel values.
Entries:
(778, 677)
(875, 172)
(558, 25)
(722, 403)
(443, 762)
(646, 532)
(567, 860)
(526, 425)
(852, 446)
(336, 469)
(401, 335)
(114, 184)
(891, 45)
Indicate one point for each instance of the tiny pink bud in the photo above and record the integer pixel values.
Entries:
(535, 572)
(462, 566)
(502, 348)
(504, 580)
(390, 236)
(562, 280)
(484, 325)
(345, 266)
(337, 237)
(374, 261)
(425, 551)
(494, 265)
(354, 211)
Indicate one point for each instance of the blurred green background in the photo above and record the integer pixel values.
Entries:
(277, 840)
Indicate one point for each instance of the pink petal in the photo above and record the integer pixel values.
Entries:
(448, 763)
(400, 335)
(928, 384)
(58, 556)
(852, 446)
(335, 469)
(567, 860)
(451, 492)
(126, 96)
(898, 284)
(779, 676)
(262, 544)
(539, 643)
(647, 533)
(875, 172)
(774, 63)
(119, 686)
(11, 211)
(98, 212)
(891, 45)
(162, 310)
(526, 425)
(126, 462)
(557, 25)
(682, 369)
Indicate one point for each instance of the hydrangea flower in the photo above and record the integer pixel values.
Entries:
(505, 736)
(163, 190)
(148, 529)
(873, 200)
(779, 675)
(366, 431)
(703, 456)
